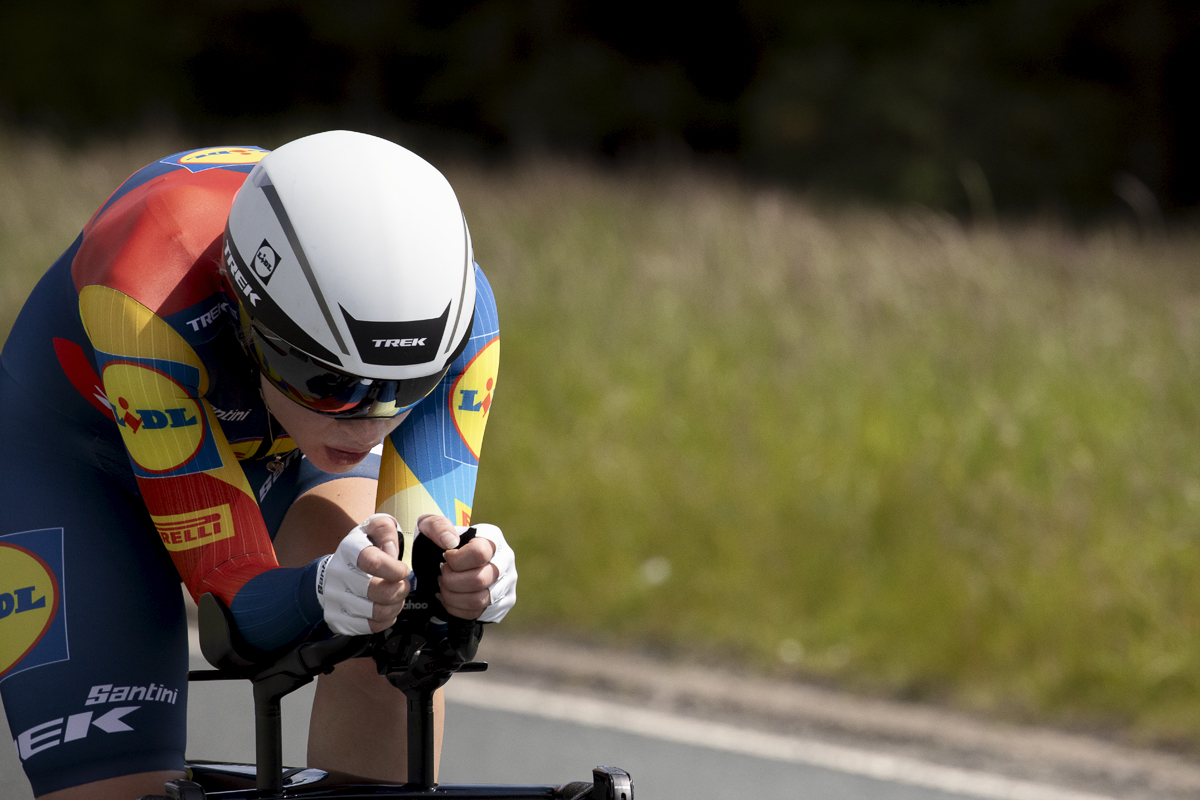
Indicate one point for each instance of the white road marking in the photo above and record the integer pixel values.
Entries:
(669, 727)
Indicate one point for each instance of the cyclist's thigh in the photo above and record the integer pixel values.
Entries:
(93, 637)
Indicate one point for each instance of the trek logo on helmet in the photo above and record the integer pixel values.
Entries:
(239, 278)
(398, 343)
(265, 261)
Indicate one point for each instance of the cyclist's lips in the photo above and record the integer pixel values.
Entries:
(346, 458)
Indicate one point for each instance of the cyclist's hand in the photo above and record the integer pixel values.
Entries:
(389, 584)
(383, 532)
(362, 586)
(478, 580)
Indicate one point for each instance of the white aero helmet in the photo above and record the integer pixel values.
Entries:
(352, 266)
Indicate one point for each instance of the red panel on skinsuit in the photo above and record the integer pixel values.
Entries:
(161, 243)
(81, 374)
(221, 566)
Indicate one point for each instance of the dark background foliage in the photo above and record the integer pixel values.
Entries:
(1020, 105)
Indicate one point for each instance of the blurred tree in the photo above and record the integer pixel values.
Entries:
(74, 64)
(1011, 104)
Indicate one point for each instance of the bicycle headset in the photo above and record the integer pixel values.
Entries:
(351, 265)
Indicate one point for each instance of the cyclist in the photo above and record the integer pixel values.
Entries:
(241, 357)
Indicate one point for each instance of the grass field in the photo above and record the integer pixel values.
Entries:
(876, 448)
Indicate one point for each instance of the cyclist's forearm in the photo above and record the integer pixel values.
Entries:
(278, 606)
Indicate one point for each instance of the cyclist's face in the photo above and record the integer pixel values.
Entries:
(333, 445)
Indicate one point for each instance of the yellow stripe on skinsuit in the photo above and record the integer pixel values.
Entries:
(402, 495)
(231, 471)
(283, 444)
(247, 447)
(118, 324)
(244, 449)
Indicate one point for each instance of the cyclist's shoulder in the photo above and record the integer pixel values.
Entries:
(157, 238)
(183, 174)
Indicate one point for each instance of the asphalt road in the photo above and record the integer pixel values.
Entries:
(488, 745)
(497, 732)
(557, 751)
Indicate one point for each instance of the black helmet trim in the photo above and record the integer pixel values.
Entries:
(262, 181)
(260, 307)
(321, 388)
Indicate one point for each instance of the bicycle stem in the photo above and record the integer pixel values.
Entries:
(421, 763)
(268, 743)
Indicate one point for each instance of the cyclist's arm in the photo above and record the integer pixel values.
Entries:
(193, 487)
(431, 461)
(192, 484)
(430, 465)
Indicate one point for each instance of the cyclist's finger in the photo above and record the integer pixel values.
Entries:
(439, 529)
(374, 561)
(465, 605)
(388, 602)
(472, 555)
(382, 531)
(376, 626)
(471, 580)
(384, 592)
(386, 612)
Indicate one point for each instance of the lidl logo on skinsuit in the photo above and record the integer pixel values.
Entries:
(32, 626)
(471, 395)
(195, 528)
(152, 419)
(164, 427)
(198, 160)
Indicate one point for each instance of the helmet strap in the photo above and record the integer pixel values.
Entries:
(268, 441)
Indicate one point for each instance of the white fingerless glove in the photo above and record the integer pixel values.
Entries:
(503, 590)
(342, 586)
